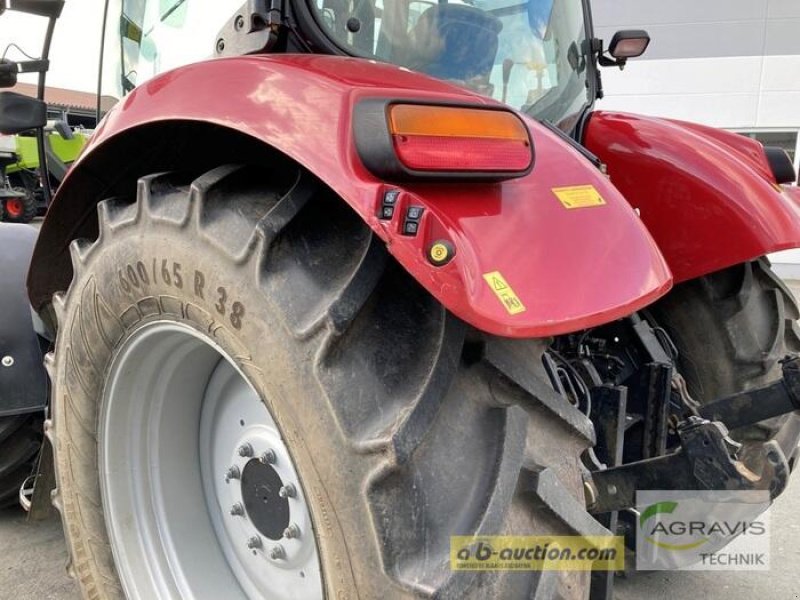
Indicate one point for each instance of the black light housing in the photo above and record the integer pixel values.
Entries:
(628, 43)
(780, 164)
(412, 140)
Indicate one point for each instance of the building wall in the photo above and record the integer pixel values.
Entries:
(727, 63)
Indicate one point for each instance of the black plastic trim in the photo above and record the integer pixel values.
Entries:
(780, 164)
(375, 149)
(23, 380)
(20, 113)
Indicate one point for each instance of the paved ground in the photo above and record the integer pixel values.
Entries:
(33, 558)
(781, 582)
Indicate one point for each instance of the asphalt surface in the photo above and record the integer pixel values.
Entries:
(33, 558)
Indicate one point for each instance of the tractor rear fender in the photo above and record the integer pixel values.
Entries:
(525, 264)
(707, 196)
(23, 381)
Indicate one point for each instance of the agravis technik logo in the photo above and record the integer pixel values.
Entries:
(702, 530)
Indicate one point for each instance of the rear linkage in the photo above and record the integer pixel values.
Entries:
(679, 444)
(706, 460)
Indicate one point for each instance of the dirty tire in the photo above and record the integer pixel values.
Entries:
(20, 210)
(731, 329)
(406, 426)
(20, 440)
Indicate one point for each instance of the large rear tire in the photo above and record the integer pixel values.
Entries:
(731, 329)
(20, 441)
(402, 425)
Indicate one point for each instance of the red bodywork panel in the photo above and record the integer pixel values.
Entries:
(570, 268)
(708, 196)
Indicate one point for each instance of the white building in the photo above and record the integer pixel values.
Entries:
(728, 63)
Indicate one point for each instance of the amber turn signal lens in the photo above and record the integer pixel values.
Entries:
(459, 139)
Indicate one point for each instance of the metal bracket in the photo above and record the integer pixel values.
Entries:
(610, 407)
(254, 28)
(706, 461)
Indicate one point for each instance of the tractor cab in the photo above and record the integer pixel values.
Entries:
(537, 56)
(528, 55)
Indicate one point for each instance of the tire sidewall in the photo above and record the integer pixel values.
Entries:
(127, 281)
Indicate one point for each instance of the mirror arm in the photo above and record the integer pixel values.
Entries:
(44, 172)
(605, 61)
(596, 46)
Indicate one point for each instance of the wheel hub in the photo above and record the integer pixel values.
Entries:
(14, 207)
(243, 528)
(265, 507)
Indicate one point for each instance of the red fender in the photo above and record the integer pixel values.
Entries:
(569, 269)
(708, 196)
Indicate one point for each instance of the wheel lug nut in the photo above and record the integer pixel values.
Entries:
(292, 531)
(232, 473)
(287, 491)
(237, 510)
(268, 458)
(245, 450)
(254, 542)
(277, 552)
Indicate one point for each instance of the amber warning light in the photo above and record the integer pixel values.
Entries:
(442, 141)
(443, 138)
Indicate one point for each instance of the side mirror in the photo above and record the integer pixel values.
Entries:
(20, 113)
(628, 43)
(8, 73)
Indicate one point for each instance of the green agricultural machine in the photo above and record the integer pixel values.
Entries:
(22, 195)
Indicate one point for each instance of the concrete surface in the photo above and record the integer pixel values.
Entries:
(33, 558)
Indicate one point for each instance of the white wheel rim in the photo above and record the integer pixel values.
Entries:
(174, 415)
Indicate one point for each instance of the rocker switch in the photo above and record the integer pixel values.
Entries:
(388, 204)
(411, 223)
(414, 213)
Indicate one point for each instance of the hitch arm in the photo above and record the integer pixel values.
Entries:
(706, 461)
(753, 406)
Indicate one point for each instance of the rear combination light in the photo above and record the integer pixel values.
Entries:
(402, 141)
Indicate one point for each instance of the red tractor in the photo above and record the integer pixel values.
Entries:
(377, 274)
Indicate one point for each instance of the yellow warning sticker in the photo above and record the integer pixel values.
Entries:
(504, 293)
(579, 196)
